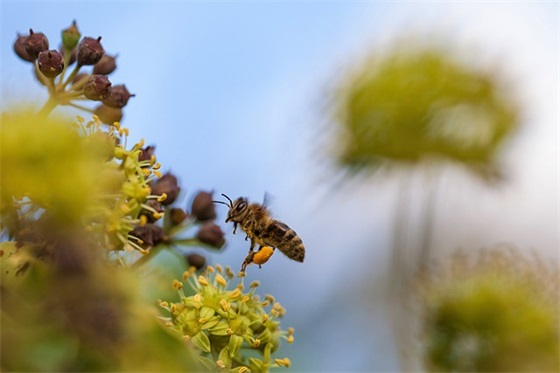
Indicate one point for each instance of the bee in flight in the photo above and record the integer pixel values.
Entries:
(255, 220)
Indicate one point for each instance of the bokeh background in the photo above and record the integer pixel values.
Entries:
(233, 95)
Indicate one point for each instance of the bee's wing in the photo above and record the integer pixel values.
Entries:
(267, 199)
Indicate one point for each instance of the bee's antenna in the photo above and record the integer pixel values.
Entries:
(223, 203)
(229, 199)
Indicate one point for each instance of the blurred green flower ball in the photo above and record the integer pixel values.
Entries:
(415, 101)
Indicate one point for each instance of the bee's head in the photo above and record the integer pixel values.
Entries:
(237, 209)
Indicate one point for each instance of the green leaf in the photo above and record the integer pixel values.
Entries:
(224, 356)
(221, 328)
(208, 363)
(201, 341)
(210, 323)
(207, 313)
(235, 343)
(256, 364)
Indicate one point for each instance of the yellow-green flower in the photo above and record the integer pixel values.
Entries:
(498, 313)
(416, 101)
(223, 322)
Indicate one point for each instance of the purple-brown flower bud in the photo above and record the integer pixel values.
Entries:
(19, 48)
(202, 207)
(50, 63)
(166, 184)
(97, 88)
(196, 260)
(211, 234)
(119, 96)
(106, 65)
(71, 36)
(90, 51)
(149, 214)
(36, 43)
(108, 115)
(177, 216)
(150, 234)
(147, 153)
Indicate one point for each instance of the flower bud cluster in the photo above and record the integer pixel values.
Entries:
(152, 196)
(51, 66)
(232, 329)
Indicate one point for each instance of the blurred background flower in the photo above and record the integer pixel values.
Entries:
(236, 103)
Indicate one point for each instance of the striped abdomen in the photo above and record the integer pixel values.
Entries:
(284, 238)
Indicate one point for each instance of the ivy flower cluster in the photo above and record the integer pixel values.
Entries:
(77, 204)
(498, 312)
(222, 321)
(51, 67)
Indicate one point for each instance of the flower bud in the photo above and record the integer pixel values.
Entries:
(71, 37)
(150, 234)
(177, 216)
(202, 207)
(149, 214)
(211, 234)
(50, 63)
(119, 97)
(90, 51)
(19, 48)
(106, 65)
(166, 184)
(108, 115)
(97, 88)
(196, 260)
(35, 44)
(147, 153)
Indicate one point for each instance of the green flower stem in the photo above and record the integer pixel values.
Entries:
(67, 56)
(81, 107)
(44, 80)
(79, 84)
(49, 106)
(71, 76)
(146, 258)
(71, 95)
(50, 86)
(432, 176)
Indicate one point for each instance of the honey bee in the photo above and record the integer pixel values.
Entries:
(255, 220)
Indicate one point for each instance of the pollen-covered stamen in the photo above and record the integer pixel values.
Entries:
(143, 220)
(220, 280)
(285, 362)
(176, 284)
(202, 280)
(224, 305)
(235, 294)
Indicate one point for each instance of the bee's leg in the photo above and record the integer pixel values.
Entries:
(234, 227)
(248, 260)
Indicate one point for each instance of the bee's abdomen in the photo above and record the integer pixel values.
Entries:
(284, 238)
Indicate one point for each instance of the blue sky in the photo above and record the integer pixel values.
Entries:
(231, 93)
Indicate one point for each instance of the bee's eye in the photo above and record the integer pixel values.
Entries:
(241, 206)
